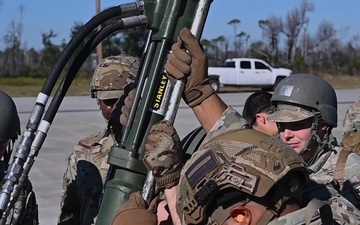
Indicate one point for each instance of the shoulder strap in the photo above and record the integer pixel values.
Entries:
(324, 208)
(191, 142)
(340, 167)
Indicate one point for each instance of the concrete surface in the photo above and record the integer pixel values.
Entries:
(79, 117)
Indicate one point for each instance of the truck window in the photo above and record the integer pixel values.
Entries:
(245, 65)
(261, 66)
(230, 64)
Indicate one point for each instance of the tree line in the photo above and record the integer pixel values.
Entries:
(17, 60)
(285, 41)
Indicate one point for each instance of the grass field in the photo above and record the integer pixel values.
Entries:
(27, 87)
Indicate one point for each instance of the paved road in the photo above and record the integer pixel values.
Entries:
(79, 117)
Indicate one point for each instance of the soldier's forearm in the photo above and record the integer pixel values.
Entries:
(209, 111)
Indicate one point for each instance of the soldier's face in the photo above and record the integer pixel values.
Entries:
(296, 134)
(107, 106)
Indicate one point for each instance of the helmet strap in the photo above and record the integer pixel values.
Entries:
(315, 141)
(314, 138)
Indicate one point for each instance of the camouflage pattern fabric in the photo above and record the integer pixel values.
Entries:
(84, 178)
(289, 113)
(352, 118)
(25, 211)
(351, 125)
(163, 154)
(112, 74)
(229, 120)
(323, 171)
(351, 140)
(246, 160)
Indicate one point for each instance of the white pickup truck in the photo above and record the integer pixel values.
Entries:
(247, 72)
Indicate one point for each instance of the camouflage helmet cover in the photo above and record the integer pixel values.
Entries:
(112, 74)
(244, 159)
(297, 96)
(9, 119)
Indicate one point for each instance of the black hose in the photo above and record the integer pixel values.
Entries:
(130, 8)
(12, 178)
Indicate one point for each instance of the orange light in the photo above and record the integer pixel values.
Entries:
(239, 218)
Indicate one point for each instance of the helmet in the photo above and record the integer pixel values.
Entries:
(9, 119)
(112, 74)
(243, 160)
(299, 96)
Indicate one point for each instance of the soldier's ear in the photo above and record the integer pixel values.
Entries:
(239, 215)
(260, 118)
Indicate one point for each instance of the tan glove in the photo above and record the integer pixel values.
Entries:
(193, 64)
(121, 111)
(125, 109)
(133, 211)
(163, 154)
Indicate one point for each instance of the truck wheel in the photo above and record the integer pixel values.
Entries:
(267, 88)
(277, 81)
(215, 84)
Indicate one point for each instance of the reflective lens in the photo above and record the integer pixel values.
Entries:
(110, 102)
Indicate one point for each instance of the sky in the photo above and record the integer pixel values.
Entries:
(39, 16)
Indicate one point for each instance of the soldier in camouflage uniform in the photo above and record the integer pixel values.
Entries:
(351, 125)
(25, 210)
(240, 176)
(306, 95)
(87, 165)
(243, 176)
(305, 109)
(257, 108)
(224, 182)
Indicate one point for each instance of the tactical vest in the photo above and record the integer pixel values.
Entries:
(350, 190)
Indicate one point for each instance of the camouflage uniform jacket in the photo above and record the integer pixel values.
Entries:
(84, 179)
(25, 210)
(229, 120)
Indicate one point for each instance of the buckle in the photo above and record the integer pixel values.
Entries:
(356, 191)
